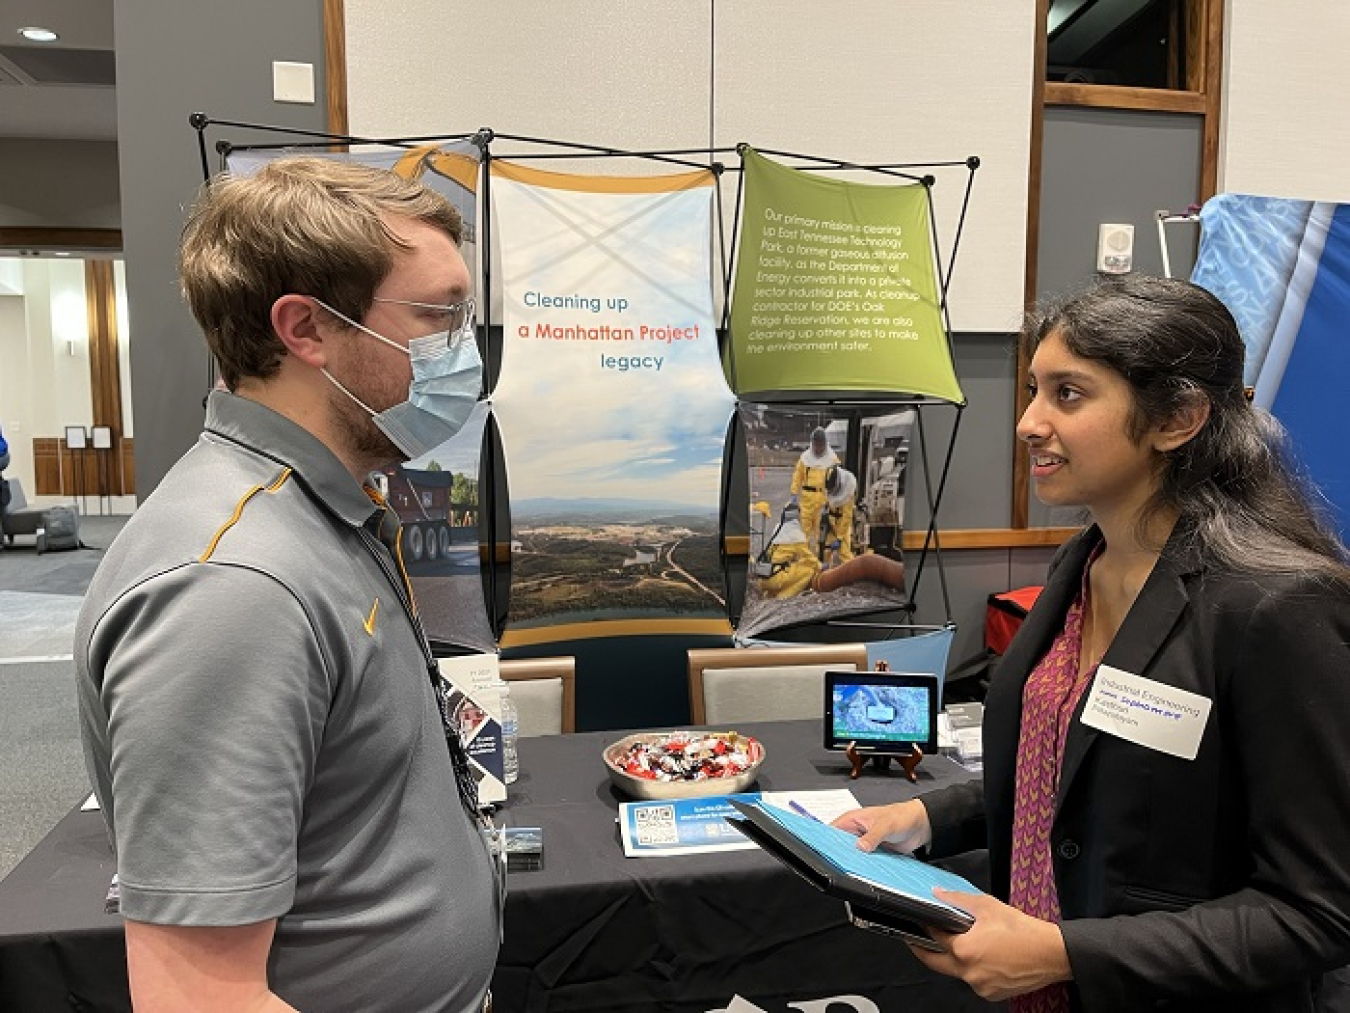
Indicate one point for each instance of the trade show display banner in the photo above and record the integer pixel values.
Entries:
(836, 288)
(1282, 267)
(824, 529)
(611, 404)
(437, 501)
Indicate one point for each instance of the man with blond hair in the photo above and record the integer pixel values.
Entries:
(294, 828)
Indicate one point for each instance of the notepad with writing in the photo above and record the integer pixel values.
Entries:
(886, 890)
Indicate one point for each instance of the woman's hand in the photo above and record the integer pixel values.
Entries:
(902, 824)
(1005, 953)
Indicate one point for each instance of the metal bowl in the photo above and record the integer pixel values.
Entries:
(645, 788)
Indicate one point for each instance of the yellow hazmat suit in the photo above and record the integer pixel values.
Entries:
(808, 485)
(792, 565)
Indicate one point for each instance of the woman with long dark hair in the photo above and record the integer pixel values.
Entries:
(1166, 789)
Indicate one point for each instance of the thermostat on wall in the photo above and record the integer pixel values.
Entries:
(1115, 248)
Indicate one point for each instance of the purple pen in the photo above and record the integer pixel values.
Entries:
(801, 811)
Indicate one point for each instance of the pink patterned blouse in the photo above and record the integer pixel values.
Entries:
(1051, 693)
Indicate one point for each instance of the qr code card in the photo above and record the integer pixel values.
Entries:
(656, 825)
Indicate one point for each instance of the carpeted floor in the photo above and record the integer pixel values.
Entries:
(41, 768)
(23, 569)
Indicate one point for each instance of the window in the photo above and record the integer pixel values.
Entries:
(1126, 43)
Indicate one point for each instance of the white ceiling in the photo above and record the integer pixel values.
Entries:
(29, 108)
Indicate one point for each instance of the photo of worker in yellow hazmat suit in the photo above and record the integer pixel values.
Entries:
(808, 485)
(812, 557)
(836, 540)
(787, 566)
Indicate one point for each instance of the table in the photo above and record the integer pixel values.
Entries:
(592, 930)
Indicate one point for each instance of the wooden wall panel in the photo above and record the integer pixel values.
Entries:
(128, 455)
(335, 64)
(47, 466)
(59, 471)
(79, 472)
(105, 381)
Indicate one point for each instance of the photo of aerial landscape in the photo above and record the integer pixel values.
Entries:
(613, 559)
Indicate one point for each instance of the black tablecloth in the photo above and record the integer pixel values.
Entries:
(591, 930)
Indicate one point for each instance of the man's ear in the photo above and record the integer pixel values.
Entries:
(295, 319)
(1181, 427)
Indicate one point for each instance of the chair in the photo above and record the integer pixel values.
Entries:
(922, 653)
(17, 517)
(544, 692)
(737, 684)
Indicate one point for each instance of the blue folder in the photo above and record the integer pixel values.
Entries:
(886, 890)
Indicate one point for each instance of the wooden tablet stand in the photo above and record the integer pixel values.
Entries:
(909, 762)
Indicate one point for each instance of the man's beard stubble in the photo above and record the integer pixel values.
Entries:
(358, 431)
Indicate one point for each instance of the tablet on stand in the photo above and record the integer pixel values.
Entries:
(882, 716)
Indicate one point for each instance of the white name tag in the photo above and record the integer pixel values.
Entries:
(1147, 713)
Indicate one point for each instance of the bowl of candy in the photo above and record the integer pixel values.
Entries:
(667, 765)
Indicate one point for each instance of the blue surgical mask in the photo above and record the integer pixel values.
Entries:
(447, 377)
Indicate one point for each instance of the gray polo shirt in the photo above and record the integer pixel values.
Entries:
(262, 734)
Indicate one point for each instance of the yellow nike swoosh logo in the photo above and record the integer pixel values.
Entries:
(370, 620)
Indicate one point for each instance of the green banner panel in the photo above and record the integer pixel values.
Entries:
(835, 288)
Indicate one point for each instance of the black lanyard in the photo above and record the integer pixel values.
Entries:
(383, 545)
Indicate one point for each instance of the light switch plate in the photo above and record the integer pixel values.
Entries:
(293, 82)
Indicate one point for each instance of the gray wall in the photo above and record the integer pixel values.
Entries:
(59, 184)
(173, 60)
(977, 490)
(1112, 166)
(977, 493)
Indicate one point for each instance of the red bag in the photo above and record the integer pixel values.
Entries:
(1004, 614)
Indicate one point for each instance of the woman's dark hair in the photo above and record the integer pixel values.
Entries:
(1233, 485)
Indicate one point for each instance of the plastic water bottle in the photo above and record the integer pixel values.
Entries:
(510, 735)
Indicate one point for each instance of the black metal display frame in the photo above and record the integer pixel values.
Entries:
(719, 161)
